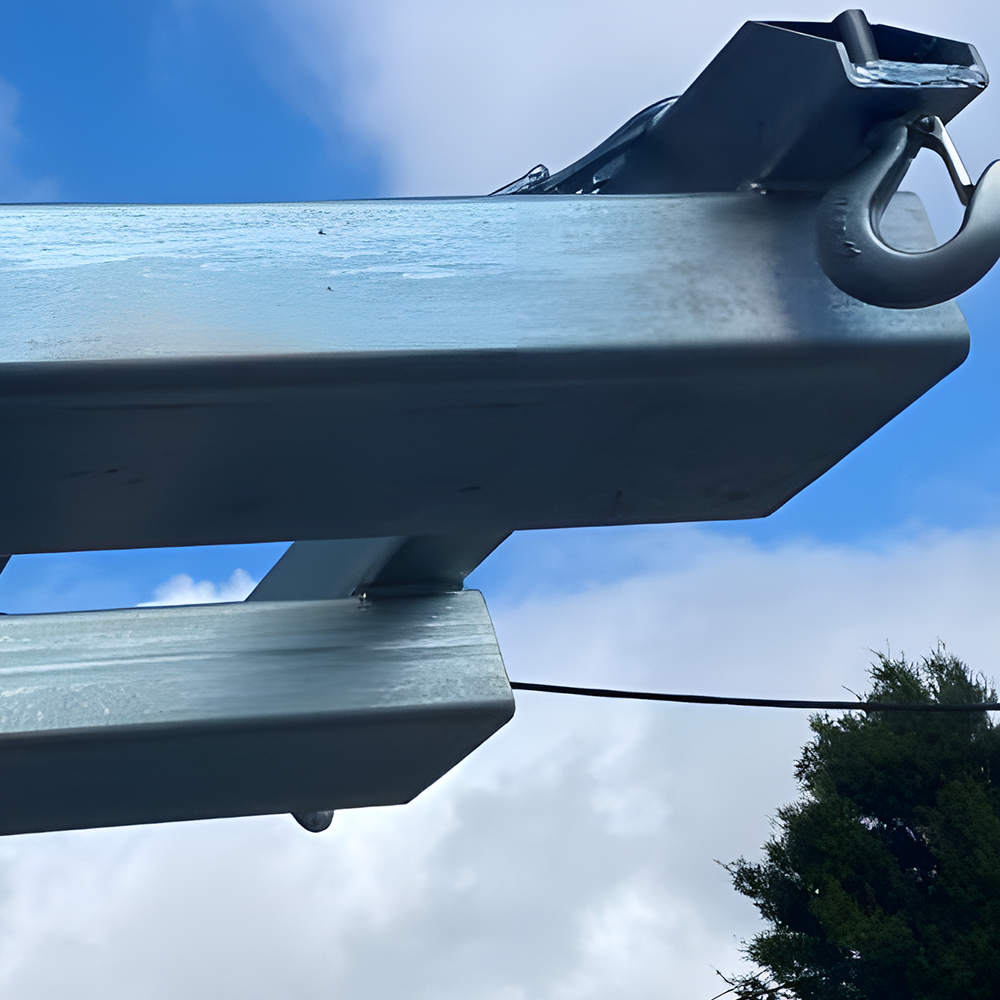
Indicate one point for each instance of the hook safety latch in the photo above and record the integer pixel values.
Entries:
(850, 247)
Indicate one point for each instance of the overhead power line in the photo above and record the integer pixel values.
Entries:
(708, 699)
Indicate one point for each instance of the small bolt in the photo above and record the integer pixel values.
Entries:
(314, 822)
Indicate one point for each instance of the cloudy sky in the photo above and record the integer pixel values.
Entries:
(574, 855)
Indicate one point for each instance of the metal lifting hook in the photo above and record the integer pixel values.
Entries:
(851, 250)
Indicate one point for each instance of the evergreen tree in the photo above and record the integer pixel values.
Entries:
(883, 881)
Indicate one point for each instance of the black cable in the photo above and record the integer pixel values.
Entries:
(707, 699)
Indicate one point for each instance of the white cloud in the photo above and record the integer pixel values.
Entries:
(463, 96)
(570, 857)
(182, 589)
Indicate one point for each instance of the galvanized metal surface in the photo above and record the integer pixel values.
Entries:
(226, 374)
(156, 714)
(82, 282)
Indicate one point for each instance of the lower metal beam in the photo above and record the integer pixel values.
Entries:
(153, 714)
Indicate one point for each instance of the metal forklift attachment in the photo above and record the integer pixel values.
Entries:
(839, 109)
(785, 106)
(397, 385)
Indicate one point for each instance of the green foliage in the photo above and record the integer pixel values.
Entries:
(883, 880)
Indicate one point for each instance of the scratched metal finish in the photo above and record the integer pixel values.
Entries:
(113, 282)
(281, 660)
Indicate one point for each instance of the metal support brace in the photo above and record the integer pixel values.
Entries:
(397, 566)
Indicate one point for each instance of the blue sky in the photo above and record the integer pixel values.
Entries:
(165, 102)
(578, 844)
